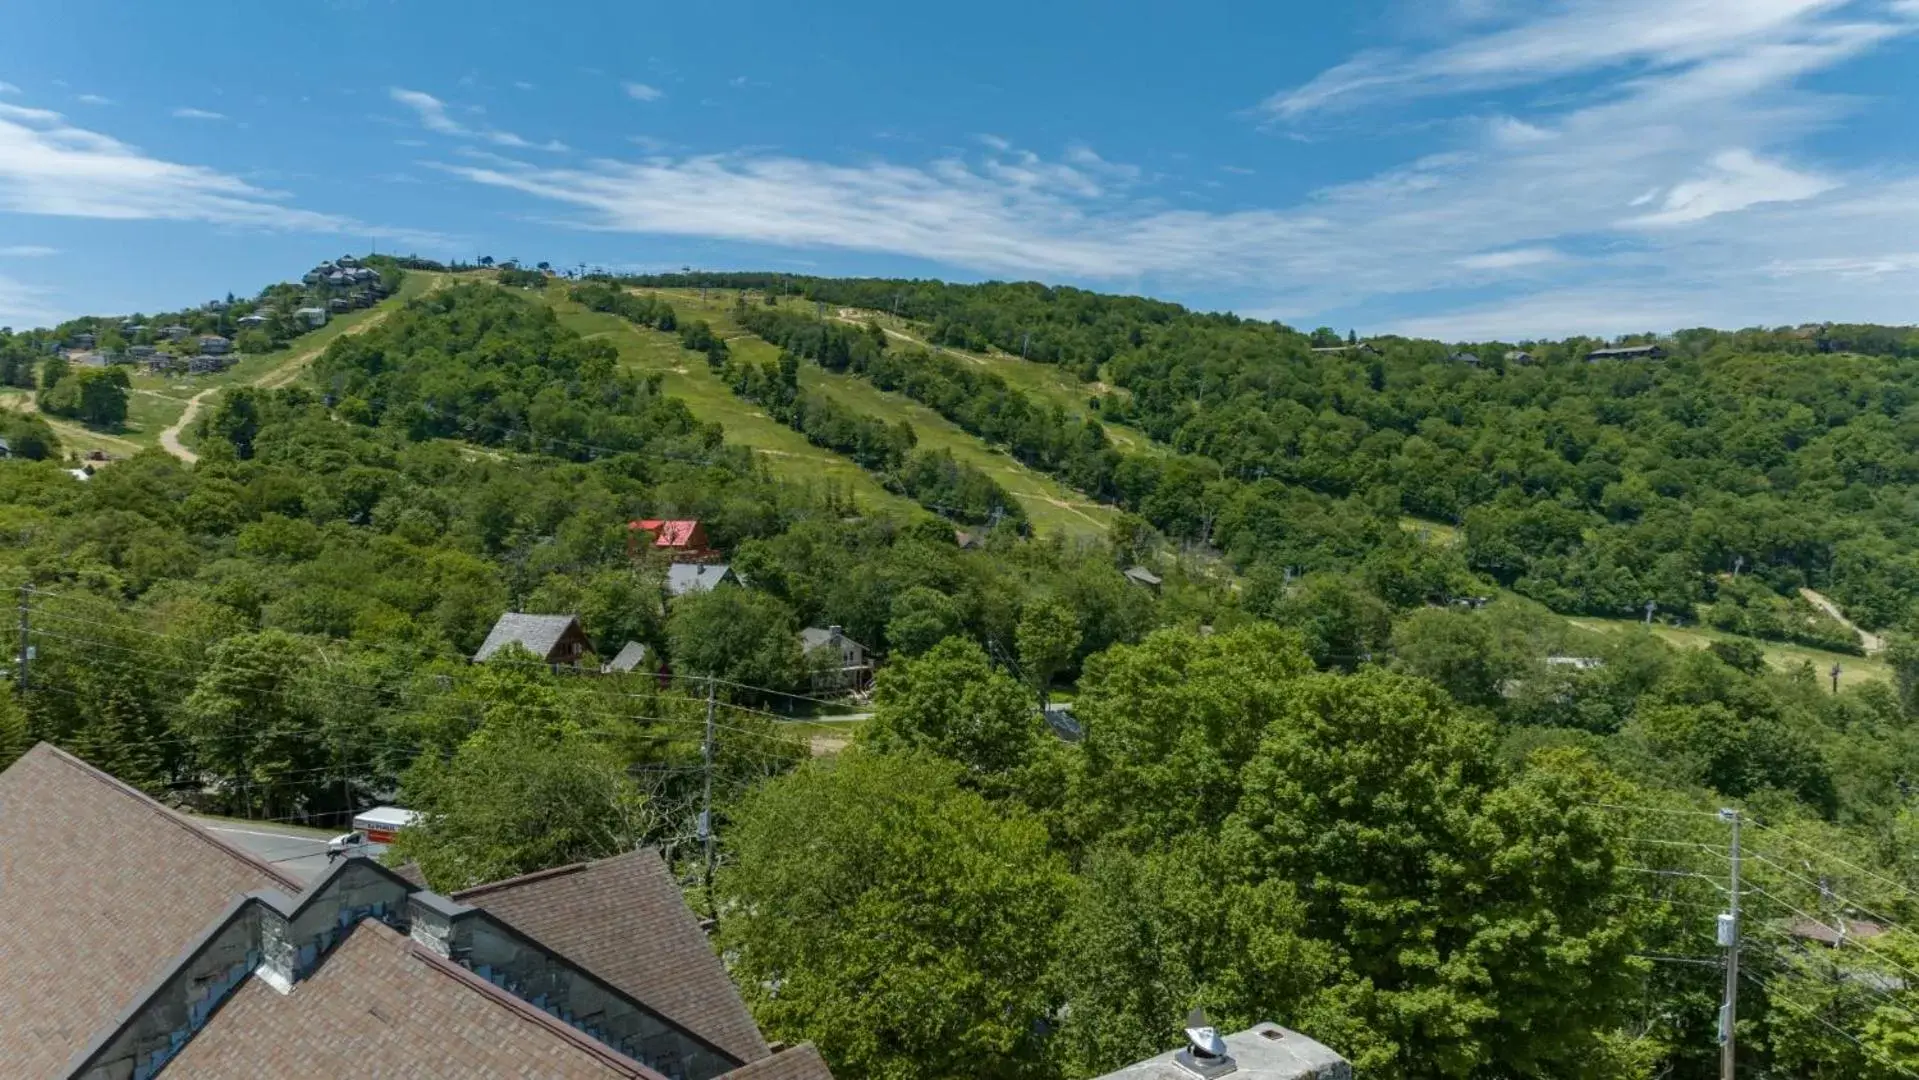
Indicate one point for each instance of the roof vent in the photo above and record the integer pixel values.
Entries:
(1205, 1054)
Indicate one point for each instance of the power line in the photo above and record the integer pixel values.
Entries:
(1788, 838)
(1773, 998)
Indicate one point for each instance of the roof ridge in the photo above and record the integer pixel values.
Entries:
(543, 875)
(147, 802)
(526, 1009)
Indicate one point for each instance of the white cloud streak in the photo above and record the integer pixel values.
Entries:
(27, 251)
(52, 167)
(1574, 36)
(23, 305)
(433, 116)
(185, 112)
(640, 91)
(8, 88)
(1671, 196)
(93, 99)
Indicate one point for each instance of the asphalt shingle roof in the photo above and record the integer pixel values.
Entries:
(383, 1006)
(630, 657)
(100, 889)
(801, 1062)
(623, 919)
(683, 578)
(538, 633)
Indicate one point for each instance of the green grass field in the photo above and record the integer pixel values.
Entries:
(1049, 383)
(1854, 670)
(1050, 505)
(1434, 532)
(687, 377)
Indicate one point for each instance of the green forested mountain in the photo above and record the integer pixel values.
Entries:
(1786, 457)
(1403, 788)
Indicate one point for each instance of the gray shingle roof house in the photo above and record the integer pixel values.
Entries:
(1519, 356)
(555, 639)
(1627, 352)
(684, 578)
(1469, 359)
(631, 656)
(1139, 575)
(137, 943)
(838, 662)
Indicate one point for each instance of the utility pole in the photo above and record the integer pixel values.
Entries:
(1836, 671)
(1729, 937)
(26, 629)
(706, 801)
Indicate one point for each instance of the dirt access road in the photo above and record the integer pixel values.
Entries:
(281, 375)
(1868, 640)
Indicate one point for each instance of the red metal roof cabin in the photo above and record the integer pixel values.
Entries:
(682, 539)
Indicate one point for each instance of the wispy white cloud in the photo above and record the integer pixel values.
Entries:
(27, 251)
(1509, 259)
(186, 112)
(1734, 180)
(8, 88)
(51, 166)
(640, 91)
(431, 111)
(434, 116)
(1572, 37)
(23, 305)
(1671, 195)
(93, 99)
(522, 84)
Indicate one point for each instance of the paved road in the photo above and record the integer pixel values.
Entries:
(298, 852)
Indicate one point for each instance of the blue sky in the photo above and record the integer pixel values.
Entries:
(1457, 168)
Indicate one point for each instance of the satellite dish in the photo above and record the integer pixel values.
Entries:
(1202, 1038)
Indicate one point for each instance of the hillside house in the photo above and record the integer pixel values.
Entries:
(556, 639)
(339, 305)
(1469, 359)
(838, 662)
(208, 364)
(632, 657)
(175, 332)
(162, 364)
(80, 341)
(1144, 578)
(1627, 352)
(683, 539)
(214, 345)
(313, 317)
(252, 320)
(168, 952)
(685, 578)
(141, 352)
